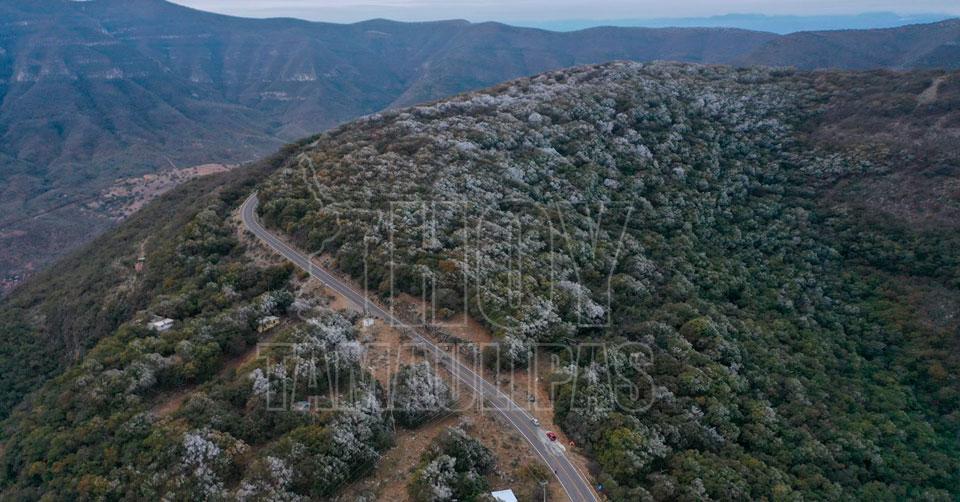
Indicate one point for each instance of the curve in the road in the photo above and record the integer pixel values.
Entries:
(573, 482)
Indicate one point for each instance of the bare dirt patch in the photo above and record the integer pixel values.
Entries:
(929, 95)
(126, 196)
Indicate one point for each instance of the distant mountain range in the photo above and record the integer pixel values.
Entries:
(756, 22)
(91, 92)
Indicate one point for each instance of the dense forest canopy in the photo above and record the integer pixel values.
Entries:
(781, 243)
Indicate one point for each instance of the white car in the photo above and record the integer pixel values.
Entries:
(535, 422)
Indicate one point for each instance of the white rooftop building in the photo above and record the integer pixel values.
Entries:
(160, 324)
(504, 496)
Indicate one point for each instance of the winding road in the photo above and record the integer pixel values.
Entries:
(576, 486)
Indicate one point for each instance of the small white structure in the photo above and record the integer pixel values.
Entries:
(160, 325)
(504, 496)
(267, 323)
(367, 322)
(302, 406)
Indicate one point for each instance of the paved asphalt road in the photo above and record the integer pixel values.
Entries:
(573, 482)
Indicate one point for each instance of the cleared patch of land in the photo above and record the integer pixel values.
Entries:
(128, 195)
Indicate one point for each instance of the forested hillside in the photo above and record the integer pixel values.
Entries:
(91, 92)
(179, 413)
(203, 410)
(764, 234)
(780, 245)
(50, 323)
(96, 91)
(914, 46)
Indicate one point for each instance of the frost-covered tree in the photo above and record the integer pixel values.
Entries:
(434, 482)
(452, 469)
(208, 458)
(267, 480)
(275, 302)
(418, 393)
(322, 458)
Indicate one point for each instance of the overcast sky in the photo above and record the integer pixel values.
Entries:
(551, 10)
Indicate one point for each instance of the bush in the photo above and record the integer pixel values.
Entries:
(419, 394)
(452, 469)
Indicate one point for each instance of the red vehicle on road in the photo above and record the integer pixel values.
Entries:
(552, 436)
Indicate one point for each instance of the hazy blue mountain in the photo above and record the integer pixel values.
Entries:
(916, 46)
(757, 22)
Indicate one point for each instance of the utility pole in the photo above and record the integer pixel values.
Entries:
(543, 489)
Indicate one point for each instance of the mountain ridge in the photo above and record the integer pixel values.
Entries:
(94, 92)
(780, 24)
